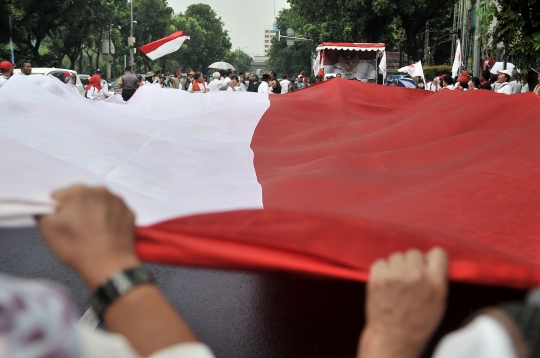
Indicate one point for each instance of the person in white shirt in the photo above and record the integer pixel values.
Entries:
(69, 80)
(215, 85)
(502, 78)
(285, 84)
(525, 85)
(198, 85)
(104, 84)
(263, 87)
(161, 81)
(94, 91)
(514, 83)
(233, 85)
(228, 76)
(6, 70)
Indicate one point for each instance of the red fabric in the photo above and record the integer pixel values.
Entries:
(94, 81)
(154, 45)
(353, 171)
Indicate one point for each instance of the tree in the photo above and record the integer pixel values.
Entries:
(516, 26)
(365, 20)
(290, 59)
(208, 43)
(153, 22)
(239, 59)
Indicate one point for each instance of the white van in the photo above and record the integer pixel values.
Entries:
(56, 72)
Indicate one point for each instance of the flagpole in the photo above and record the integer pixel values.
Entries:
(11, 40)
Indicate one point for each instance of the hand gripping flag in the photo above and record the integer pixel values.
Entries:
(164, 46)
(248, 181)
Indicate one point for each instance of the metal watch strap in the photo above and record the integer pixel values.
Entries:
(117, 285)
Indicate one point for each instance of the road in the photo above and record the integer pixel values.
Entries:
(240, 314)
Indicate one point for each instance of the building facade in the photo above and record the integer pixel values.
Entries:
(269, 33)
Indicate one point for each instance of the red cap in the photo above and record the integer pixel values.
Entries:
(6, 65)
(67, 74)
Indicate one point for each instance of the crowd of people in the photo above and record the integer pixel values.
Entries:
(505, 81)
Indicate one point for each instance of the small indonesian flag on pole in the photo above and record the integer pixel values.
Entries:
(414, 70)
(382, 66)
(457, 60)
(164, 46)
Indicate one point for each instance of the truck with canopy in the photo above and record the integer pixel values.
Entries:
(350, 60)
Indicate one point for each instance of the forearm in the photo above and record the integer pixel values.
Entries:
(147, 320)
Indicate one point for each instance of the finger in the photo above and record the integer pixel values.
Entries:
(396, 261)
(437, 264)
(414, 258)
(377, 269)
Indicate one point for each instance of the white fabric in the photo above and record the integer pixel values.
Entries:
(499, 66)
(505, 88)
(484, 337)
(413, 70)
(285, 86)
(457, 60)
(160, 85)
(167, 47)
(72, 87)
(99, 344)
(215, 85)
(525, 88)
(165, 163)
(382, 66)
(3, 80)
(264, 88)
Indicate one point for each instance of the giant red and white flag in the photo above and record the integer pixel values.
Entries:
(321, 181)
(164, 46)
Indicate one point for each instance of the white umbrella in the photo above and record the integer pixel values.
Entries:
(499, 66)
(222, 66)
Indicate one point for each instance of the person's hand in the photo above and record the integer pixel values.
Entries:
(92, 231)
(406, 299)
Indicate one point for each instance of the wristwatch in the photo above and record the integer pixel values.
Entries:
(118, 285)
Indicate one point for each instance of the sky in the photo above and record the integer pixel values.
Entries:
(244, 19)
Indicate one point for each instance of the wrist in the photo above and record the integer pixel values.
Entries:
(102, 270)
(384, 344)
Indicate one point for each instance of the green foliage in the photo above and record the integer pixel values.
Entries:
(239, 59)
(290, 59)
(516, 29)
(434, 71)
(209, 41)
(48, 32)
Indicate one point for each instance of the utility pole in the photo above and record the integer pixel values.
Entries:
(426, 44)
(476, 45)
(131, 40)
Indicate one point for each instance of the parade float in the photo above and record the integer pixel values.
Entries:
(350, 60)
